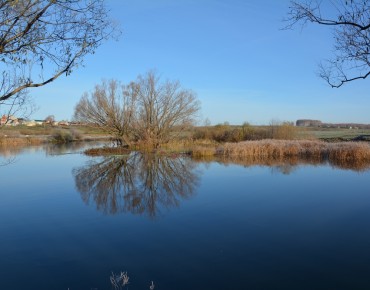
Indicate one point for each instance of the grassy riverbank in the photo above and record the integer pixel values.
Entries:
(23, 135)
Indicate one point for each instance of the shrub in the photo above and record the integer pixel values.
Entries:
(76, 134)
(282, 130)
(66, 135)
(62, 136)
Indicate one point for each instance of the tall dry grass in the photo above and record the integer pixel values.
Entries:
(20, 141)
(11, 146)
(275, 149)
(344, 154)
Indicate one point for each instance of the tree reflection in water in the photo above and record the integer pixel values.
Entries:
(137, 183)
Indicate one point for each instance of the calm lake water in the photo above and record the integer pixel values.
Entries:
(67, 221)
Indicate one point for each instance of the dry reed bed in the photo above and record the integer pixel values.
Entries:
(350, 152)
(20, 141)
(10, 146)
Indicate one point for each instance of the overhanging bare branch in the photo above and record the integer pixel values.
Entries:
(351, 60)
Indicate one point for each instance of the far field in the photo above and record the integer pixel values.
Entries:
(334, 134)
(86, 132)
(18, 131)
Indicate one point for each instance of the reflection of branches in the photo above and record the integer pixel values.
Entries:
(136, 183)
(119, 281)
(8, 161)
(102, 181)
(284, 168)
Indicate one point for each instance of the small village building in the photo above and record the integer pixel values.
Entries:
(9, 121)
(3, 120)
(63, 123)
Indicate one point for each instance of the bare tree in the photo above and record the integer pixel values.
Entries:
(146, 110)
(351, 23)
(111, 107)
(40, 40)
(165, 109)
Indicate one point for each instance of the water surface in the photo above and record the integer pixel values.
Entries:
(67, 221)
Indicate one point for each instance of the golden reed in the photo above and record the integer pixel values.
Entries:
(343, 154)
(20, 141)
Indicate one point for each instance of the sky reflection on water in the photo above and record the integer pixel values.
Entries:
(183, 224)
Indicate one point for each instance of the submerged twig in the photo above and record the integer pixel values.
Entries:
(119, 281)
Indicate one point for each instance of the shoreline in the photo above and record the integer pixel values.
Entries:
(24, 140)
(345, 155)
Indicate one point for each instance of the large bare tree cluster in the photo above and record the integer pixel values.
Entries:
(350, 20)
(147, 110)
(40, 40)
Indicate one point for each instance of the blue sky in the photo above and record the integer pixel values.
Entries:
(232, 53)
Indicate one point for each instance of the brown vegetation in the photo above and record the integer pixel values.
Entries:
(65, 136)
(350, 154)
(20, 141)
(227, 133)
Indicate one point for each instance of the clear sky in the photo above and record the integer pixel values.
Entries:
(232, 53)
